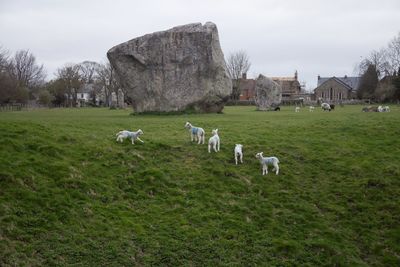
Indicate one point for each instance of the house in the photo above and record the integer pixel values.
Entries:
(247, 88)
(85, 94)
(336, 89)
(291, 88)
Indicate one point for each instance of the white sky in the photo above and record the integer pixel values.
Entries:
(311, 36)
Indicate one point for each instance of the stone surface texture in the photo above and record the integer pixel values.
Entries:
(174, 70)
(268, 94)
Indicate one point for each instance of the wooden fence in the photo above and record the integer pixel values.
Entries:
(12, 107)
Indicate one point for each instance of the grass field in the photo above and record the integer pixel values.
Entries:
(71, 195)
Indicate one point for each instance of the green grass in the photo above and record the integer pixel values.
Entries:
(71, 195)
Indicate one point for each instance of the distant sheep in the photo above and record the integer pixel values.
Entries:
(297, 109)
(127, 134)
(265, 161)
(238, 153)
(370, 109)
(196, 133)
(326, 107)
(214, 141)
(312, 108)
(383, 109)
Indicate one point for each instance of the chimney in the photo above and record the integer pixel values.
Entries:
(345, 76)
(319, 77)
(295, 75)
(244, 76)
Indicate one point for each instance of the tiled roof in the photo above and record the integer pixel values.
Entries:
(283, 78)
(352, 82)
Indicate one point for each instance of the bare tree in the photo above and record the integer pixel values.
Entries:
(4, 55)
(88, 71)
(7, 85)
(238, 63)
(24, 69)
(393, 54)
(108, 81)
(71, 79)
(379, 60)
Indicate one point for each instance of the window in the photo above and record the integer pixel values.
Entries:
(81, 95)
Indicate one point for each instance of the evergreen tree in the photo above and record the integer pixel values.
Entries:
(368, 83)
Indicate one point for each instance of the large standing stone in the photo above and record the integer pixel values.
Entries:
(174, 70)
(268, 93)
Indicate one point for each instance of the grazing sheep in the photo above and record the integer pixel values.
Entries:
(214, 141)
(297, 109)
(127, 134)
(265, 161)
(373, 109)
(370, 109)
(238, 153)
(277, 109)
(312, 108)
(196, 133)
(326, 107)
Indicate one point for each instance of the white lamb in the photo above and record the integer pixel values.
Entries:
(214, 141)
(297, 109)
(238, 153)
(127, 134)
(196, 133)
(312, 108)
(265, 161)
(386, 109)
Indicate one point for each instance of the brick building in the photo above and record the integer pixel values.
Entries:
(291, 88)
(335, 89)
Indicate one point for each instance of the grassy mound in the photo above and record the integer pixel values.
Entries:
(69, 194)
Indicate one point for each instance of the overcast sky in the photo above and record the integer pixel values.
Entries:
(312, 37)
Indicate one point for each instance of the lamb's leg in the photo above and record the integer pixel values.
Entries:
(218, 145)
(266, 169)
(276, 166)
(236, 158)
(191, 137)
(139, 139)
(132, 141)
(209, 148)
(199, 140)
(241, 158)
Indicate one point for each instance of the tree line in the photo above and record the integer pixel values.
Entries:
(22, 79)
(380, 73)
